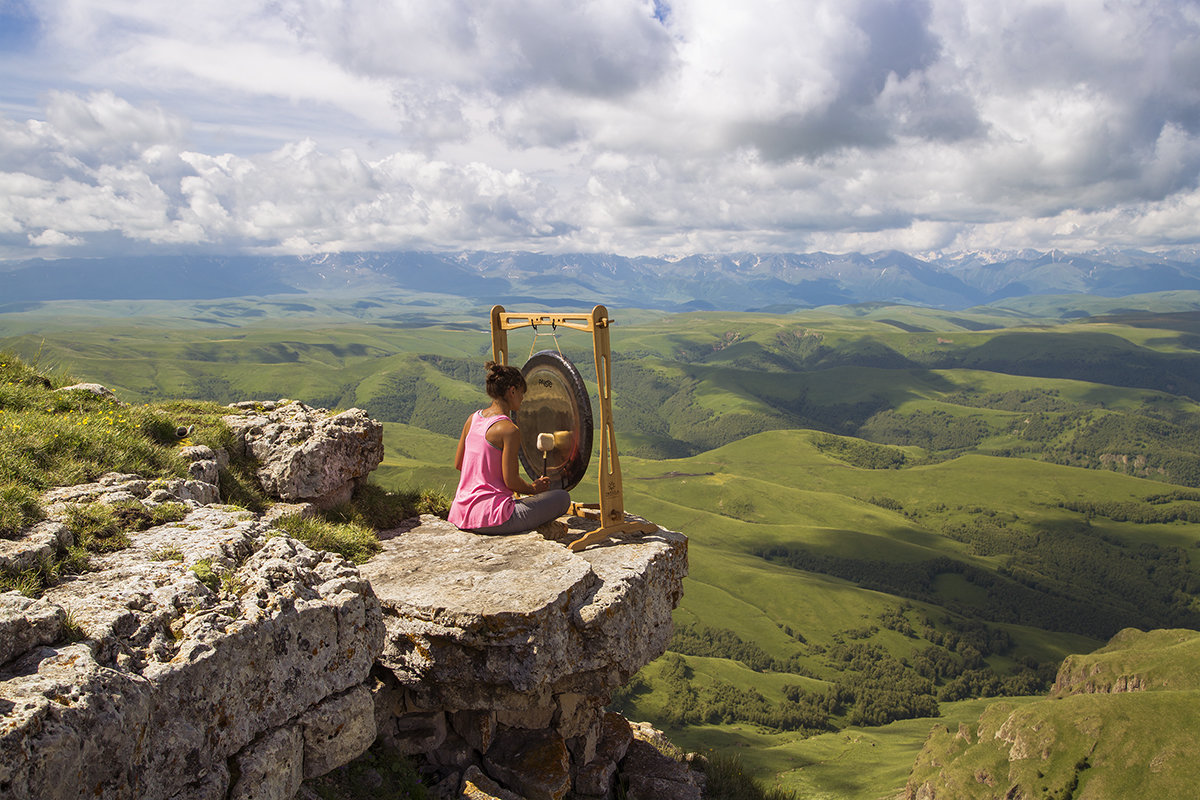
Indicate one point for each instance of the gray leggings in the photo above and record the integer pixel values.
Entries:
(530, 512)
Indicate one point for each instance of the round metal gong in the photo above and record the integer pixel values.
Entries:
(557, 414)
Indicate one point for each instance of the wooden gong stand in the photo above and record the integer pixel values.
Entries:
(611, 510)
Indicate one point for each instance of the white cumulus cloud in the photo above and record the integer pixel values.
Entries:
(623, 125)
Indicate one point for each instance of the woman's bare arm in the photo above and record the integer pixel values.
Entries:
(462, 446)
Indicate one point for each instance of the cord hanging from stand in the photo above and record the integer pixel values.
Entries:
(553, 334)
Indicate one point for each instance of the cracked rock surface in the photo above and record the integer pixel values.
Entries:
(487, 621)
(202, 638)
(502, 652)
(306, 454)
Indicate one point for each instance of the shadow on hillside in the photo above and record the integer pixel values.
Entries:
(1085, 356)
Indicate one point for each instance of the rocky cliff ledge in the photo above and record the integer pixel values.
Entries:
(216, 658)
(203, 647)
(502, 652)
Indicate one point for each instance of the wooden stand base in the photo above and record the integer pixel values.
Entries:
(592, 511)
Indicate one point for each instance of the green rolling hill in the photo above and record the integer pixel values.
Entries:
(896, 515)
(1119, 723)
(731, 588)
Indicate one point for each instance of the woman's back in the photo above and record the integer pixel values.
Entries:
(482, 499)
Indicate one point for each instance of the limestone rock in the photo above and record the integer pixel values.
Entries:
(213, 785)
(33, 546)
(534, 763)
(204, 470)
(198, 452)
(70, 724)
(258, 405)
(95, 491)
(91, 388)
(478, 728)
(281, 510)
(448, 788)
(520, 643)
(505, 623)
(596, 777)
(453, 752)
(412, 734)
(337, 731)
(650, 775)
(645, 732)
(270, 768)
(203, 635)
(223, 660)
(197, 492)
(305, 454)
(478, 786)
(26, 624)
(114, 487)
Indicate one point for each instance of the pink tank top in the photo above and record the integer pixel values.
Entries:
(482, 499)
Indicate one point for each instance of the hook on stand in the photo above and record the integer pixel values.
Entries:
(553, 334)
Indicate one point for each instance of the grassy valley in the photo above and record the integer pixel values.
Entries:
(896, 515)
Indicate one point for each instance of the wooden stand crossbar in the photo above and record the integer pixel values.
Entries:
(612, 502)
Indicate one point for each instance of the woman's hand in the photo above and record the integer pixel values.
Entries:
(542, 484)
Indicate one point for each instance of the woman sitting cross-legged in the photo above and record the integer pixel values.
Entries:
(487, 458)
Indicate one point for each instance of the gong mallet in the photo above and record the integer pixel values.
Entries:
(545, 443)
(549, 442)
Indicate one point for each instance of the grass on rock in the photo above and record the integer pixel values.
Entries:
(205, 573)
(375, 507)
(50, 438)
(96, 527)
(48, 572)
(18, 507)
(350, 539)
(102, 528)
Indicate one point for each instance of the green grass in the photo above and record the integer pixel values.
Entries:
(727, 779)
(204, 572)
(1161, 660)
(415, 459)
(48, 572)
(716, 377)
(18, 507)
(96, 527)
(871, 763)
(50, 438)
(375, 508)
(729, 588)
(350, 539)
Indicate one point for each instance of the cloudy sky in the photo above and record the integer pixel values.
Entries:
(630, 126)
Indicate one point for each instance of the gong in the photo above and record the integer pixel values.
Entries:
(555, 420)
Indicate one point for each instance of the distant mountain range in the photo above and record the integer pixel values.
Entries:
(746, 281)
